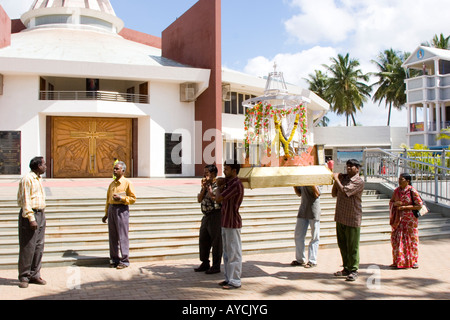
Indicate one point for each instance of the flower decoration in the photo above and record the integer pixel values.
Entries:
(262, 117)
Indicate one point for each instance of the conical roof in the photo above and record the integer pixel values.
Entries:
(80, 14)
(100, 5)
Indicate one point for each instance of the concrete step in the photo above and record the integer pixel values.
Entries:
(9, 208)
(167, 227)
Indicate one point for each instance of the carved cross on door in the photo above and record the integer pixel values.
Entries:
(92, 135)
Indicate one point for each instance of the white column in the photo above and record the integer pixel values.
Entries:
(443, 115)
(438, 120)
(436, 67)
(408, 120)
(425, 124)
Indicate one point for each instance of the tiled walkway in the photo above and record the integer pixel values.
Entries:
(264, 277)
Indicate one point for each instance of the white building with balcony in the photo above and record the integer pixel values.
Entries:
(428, 96)
(80, 93)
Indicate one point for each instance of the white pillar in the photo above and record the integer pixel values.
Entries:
(443, 115)
(438, 121)
(436, 67)
(425, 124)
(408, 120)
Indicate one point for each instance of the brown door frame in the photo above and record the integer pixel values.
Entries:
(48, 144)
(48, 151)
(134, 148)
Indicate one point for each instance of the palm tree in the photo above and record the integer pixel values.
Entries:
(317, 83)
(346, 87)
(440, 42)
(391, 80)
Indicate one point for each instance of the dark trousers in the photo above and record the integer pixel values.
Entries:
(31, 247)
(348, 242)
(210, 236)
(118, 227)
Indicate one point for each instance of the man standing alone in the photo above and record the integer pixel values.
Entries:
(348, 189)
(119, 196)
(31, 199)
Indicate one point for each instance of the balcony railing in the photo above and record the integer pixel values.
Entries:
(94, 95)
(428, 88)
(432, 126)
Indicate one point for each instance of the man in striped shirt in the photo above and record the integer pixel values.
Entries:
(348, 189)
(31, 200)
(230, 194)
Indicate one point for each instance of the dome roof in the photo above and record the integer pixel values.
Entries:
(79, 14)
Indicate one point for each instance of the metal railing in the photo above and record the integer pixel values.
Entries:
(429, 169)
(94, 95)
(431, 126)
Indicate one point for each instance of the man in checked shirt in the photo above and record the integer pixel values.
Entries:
(348, 189)
(31, 200)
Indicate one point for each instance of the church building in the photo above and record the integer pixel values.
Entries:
(81, 89)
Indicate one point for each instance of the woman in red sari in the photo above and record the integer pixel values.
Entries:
(405, 233)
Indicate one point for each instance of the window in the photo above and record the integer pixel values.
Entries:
(95, 22)
(53, 19)
(240, 106)
(234, 150)
(173, 153)
(10, 152)
(234, 105)
(444, 67)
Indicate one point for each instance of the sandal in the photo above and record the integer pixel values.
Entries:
(310, 265)
(230, 286)
(342, 273)
(352, 276)
(295, 263)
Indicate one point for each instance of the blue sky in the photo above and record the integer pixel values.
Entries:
(299, 35)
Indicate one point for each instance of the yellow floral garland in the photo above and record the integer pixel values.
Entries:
(258, 119)
(280, 134)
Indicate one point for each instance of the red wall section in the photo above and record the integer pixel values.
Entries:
(17, 26)
(195, 39)
(5, 29)
(141, 37)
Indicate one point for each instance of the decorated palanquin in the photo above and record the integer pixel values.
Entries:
(277, 150)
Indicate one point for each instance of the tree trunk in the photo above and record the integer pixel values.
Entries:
(389, 115)
(354, 121)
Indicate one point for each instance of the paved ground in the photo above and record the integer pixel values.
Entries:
(265, 276)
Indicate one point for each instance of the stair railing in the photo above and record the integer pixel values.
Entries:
(428, 168)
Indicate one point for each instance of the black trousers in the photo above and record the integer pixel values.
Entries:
(211, 237)
(31, 246)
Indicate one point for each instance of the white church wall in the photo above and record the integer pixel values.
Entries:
(20, 113)
(169, 115)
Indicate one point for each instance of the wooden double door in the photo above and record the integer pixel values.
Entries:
(87, 147)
